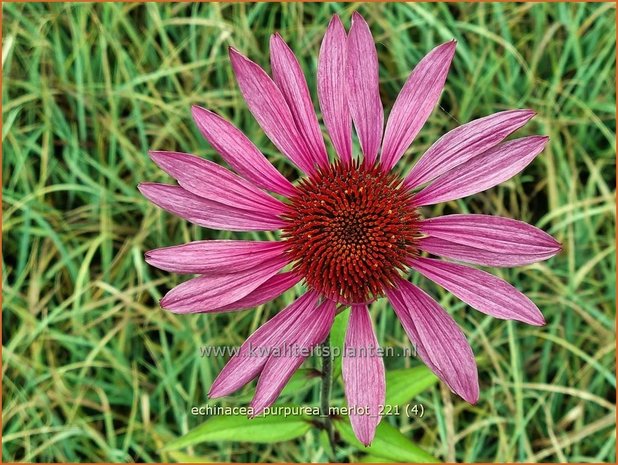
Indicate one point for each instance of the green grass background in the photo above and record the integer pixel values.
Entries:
(94, 370)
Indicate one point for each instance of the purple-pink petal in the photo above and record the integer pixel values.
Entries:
(465, 142)
(213, 182)
(364, 88)
(332, 89)
(438, 340)
(214, 256)
(265, 292)
(240, 153)
(208, 292)
(363, 374)
(483, 171)
(289, 76)
(271, 111)
(415, 102)
(477, 256)
(308, 331)
(487, 240)
(207, 213)
(481, 290)
(256, 350)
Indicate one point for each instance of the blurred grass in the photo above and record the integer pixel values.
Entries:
(93, 370)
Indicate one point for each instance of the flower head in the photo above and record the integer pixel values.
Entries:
(351, 229)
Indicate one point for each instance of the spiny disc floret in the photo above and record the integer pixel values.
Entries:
(350, 230)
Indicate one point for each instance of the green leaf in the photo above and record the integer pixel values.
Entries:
(337, 338)
(325, 443)
(180, 457)
(369, 458)
(302, 379)
(405, 384)
(389, 443)
(262, 429)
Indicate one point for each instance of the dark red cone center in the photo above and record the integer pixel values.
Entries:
(351, 230)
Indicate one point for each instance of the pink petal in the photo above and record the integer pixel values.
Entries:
(307, 332)
(364, 88)
(269, 290)
(438, 339)
(205, 212)
(213, 182)
(265, 292)
(483, 172)
(332, 89)
(478, 256)
(415, 102)
(253, 354)
(487, 240)
(217, 256)
(271, 111)
(363, 374)
(465, 142)
(240, 153)
(289, 76)
(210, 292)
(482, 291)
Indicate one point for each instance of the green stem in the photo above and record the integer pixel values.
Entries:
(327, 375)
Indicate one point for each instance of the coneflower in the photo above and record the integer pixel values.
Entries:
(351, 229)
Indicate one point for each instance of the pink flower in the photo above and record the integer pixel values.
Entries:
(350, 229)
